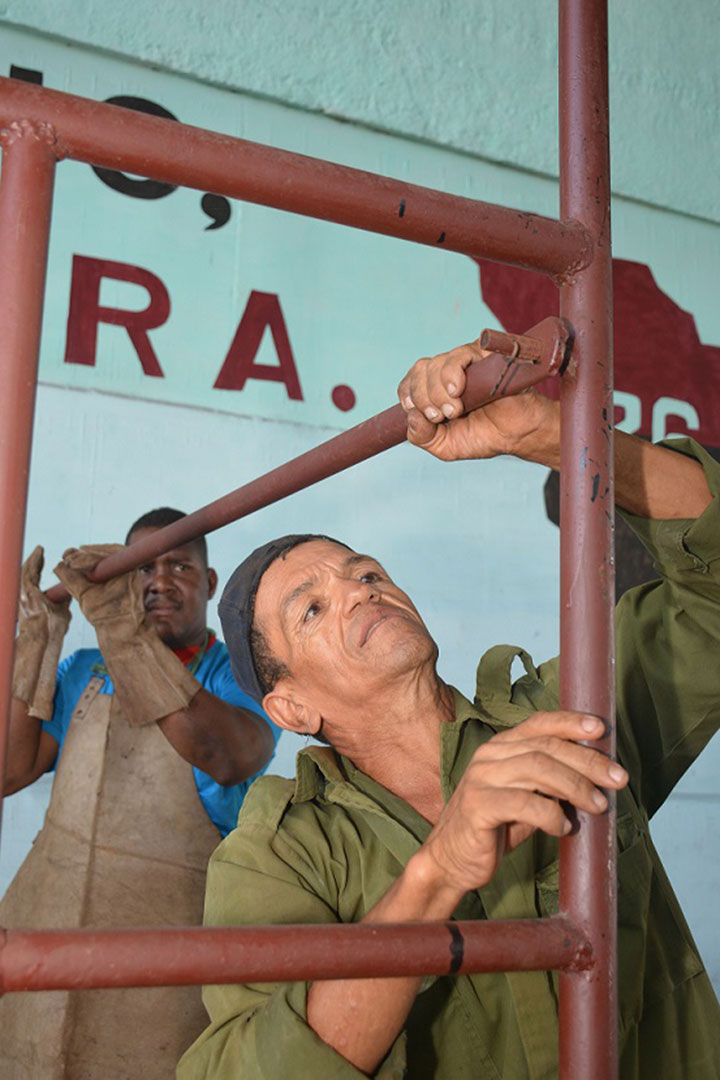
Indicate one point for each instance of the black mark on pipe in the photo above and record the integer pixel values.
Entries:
(595, 486)
(26, 74)
(441, 238)
(401, 211)
(457, 948)
(504, 381)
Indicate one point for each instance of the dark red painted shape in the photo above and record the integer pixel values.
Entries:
(658, 352)
(343, 398)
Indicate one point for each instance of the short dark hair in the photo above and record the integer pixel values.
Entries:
(158, 519)
(267, 666)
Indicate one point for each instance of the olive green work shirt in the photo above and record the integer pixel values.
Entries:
(327, 846)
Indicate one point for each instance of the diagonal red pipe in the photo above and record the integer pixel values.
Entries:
(496, 376)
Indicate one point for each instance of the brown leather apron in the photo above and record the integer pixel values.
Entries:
(125, 843)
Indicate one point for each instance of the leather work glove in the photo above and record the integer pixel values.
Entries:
(150, 681)
(42, 626)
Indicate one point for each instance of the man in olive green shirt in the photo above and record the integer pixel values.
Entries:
(426, 806)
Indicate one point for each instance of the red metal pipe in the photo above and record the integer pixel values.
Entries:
(119, 138)
(496, 376)
(92, 959)
(26, 187)
(588, 1002)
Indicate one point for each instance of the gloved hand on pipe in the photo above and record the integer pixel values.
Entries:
(42, 626)
(149, 680)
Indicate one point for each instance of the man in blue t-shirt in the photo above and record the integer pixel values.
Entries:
(220, 731)
(154, 747)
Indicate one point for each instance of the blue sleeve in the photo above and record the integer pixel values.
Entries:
(219, 680)
(222, 804)
(59, 723)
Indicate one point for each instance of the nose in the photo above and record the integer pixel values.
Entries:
(359, 592)
(159, 580)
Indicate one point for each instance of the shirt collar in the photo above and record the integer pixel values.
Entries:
(319, 768)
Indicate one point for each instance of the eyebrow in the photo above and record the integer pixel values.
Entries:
(352, 560)
(293, 596)
(184, 553)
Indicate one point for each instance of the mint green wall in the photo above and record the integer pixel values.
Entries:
(478, 77)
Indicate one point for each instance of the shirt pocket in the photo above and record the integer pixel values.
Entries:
(655, 948)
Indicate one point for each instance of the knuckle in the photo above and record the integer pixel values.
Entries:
(537, 760)
(548, 744)
(593, 761)
(579, 784)
(524, 801)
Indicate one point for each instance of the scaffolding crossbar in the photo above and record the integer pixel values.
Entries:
(115, 137)
(93, 959)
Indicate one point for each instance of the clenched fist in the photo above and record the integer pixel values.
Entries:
(526, 425)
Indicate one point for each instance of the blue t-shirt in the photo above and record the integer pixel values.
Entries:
(214, 674)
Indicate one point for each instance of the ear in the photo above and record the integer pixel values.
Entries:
(290, 714)
(212, 579)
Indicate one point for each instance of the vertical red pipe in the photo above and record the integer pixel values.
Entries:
(26, 186)
(588, 1002)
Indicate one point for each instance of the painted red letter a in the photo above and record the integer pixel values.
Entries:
(263, 309)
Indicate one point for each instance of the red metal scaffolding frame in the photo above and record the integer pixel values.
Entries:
(39, 127)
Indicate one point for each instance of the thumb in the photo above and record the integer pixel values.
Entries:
(74, 581)
(32, 567)
(87, 557)
(421, 431)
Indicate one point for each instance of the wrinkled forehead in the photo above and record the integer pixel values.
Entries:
(307, 562)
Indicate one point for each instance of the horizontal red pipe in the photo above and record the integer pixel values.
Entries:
(119, 138)
(494, 377)
(95, 959)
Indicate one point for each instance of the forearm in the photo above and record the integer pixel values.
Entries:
(22, 748)
(650, 481)
(654, 482)
(227, 743)
(361, 1018)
